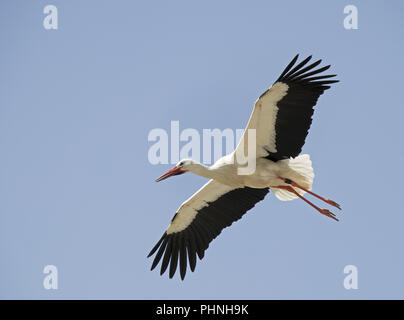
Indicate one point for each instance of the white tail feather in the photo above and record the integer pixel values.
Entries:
(299, 170)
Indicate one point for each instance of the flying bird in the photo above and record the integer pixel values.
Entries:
(281, 119)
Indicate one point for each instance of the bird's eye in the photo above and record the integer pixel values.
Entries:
(181, 164)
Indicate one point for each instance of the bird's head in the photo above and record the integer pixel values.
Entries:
(180, 168)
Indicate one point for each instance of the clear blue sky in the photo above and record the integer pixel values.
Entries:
(76, 106)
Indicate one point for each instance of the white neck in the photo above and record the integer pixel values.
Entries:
(224, 174)
(203, 171)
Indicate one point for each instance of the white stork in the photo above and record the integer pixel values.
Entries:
(281, 118)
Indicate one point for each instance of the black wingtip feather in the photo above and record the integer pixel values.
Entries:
(157, 245)
(159, 254)
(295, 75)
(174, 257)
(191, 256)
(300, 65)
(288, 67)
(183, 257)
(167, 256)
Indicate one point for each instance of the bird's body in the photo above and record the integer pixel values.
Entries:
(266, 174)
(279, 125)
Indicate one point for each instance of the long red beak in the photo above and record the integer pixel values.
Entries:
(172, 172)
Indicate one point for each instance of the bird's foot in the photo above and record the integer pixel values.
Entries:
(333, 203)
(328, 213)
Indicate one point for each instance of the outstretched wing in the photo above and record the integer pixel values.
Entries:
(198, 221)
(282, 115)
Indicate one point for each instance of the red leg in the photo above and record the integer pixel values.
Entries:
(325, 212)
(329, 201)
